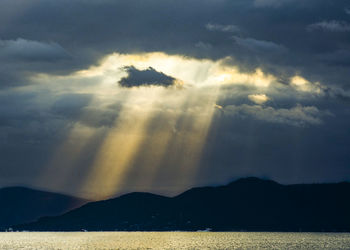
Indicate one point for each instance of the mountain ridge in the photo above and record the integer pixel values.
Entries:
(249, 204)
(22, 205)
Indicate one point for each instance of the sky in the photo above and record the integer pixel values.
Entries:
(104, 97)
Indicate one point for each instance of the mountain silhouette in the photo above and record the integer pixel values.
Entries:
(23, 205)
(249, 204)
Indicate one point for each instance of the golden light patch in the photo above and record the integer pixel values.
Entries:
(301, 84)
(218, 106)
(190, 71)
(258, 98)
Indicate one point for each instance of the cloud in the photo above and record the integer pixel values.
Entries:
(259, 45)
(147, 77)
(303, 85)
(222, 28)
(332, 26)
(203, 45)
(71, 105)
(258, 98)
(270, 3)
(20, 59)
(22, 49)
(347, 11)
(106, 35)
(296, 116)
(336, 58)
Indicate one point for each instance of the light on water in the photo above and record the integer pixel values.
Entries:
(173, 240)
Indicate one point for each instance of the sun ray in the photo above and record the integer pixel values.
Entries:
(67, 155)
(192, 130)
(122, 143)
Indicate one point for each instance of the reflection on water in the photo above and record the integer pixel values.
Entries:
(173, 240)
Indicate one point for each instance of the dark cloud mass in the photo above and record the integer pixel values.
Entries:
(147, 77)
(175, 29)
(54, 93)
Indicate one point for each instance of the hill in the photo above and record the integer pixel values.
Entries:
(22, 205)
(249, 204)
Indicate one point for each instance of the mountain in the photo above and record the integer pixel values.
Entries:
(23, 205)
(248, 204)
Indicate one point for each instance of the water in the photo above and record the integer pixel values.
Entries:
(173, 240)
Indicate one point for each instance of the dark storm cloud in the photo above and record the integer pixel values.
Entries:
(147, 77)
(21, 58)
(89, 30)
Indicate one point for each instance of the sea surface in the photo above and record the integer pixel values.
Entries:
(173, 240)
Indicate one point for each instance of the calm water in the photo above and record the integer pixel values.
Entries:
(173, 240)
